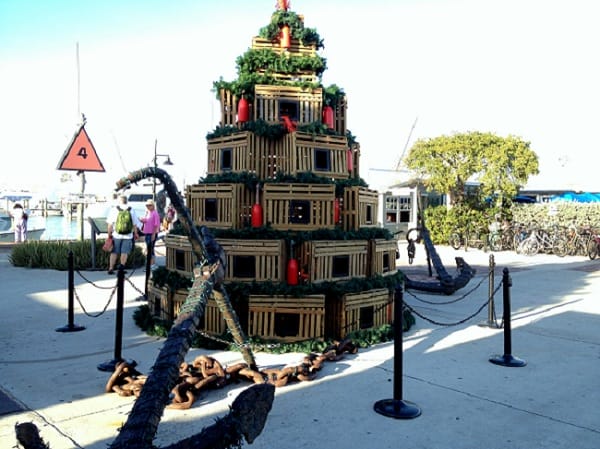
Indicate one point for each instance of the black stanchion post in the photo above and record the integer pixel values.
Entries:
(149, 251)
(111, 364)
(70, 326)
(491, 319)
(507, 359)
(397, 407)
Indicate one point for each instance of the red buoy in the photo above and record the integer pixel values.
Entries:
(336, 211)
(292, 272)
(349, 160)
(292, 267)
(256, 215)
(328, 116)
(243, 110)
(285, 41)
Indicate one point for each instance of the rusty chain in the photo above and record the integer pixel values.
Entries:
(206, 372)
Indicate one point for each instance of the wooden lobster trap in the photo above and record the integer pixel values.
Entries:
(334, 260)
(165, 304)
(286, 319)
(254, 260)
(382, 257)
(355, 311)
(179, 254)
(301, 106)
(224, 206)
(230, 154)
(245, 152)
(299, 207)
(359, 208)
(323, 155)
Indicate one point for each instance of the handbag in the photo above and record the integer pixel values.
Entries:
(108, 245)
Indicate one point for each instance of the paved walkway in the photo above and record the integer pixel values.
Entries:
(51, 378)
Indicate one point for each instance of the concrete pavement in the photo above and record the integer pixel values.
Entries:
(51, 379)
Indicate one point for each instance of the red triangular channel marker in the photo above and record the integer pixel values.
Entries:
(80, 154)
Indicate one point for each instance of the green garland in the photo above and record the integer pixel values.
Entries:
(298, 237)
(275, 131)
(362, 338)
(273, 62)
(250, 180)
(239, 291)
(308, 36)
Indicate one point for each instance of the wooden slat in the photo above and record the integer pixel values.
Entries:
(356, 203)
(263, 310)
(296, 47)
(318, 258)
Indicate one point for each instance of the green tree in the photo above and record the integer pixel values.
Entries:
(501, 165)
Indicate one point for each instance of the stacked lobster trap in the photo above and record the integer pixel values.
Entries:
(280, 201)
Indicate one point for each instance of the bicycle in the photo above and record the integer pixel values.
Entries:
(478, 239)
(593, 248)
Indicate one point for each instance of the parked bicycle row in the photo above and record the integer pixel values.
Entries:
(531, 239)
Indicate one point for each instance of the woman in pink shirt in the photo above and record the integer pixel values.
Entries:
(150, 228)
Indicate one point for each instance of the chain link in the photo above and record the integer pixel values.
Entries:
(437, 323)
(112, 293)
(452, 301)
(464, 320)
(96, 315)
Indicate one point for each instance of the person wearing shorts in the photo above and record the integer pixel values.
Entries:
(122, 243)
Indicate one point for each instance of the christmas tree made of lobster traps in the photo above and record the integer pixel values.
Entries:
(283, 197)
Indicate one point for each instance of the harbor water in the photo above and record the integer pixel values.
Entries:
(59, 227)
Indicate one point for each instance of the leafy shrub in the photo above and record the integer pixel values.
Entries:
(53, 254)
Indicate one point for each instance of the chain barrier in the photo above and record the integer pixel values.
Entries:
(101, 287)
(135, 287)
(464, 320)
(452, 301)
(96, 315)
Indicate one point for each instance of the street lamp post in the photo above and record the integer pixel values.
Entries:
(167, 162)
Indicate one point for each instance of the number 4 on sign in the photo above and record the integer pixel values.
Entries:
(81, 155)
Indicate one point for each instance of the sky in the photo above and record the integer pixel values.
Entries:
(142, 72)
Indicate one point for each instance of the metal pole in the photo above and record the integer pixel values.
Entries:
(397, 407)
(93, 248)
(117, 358)
(119, 317)
(507, 359)
(149, 250)
(70, 327)
(491, 317)
(155, 166)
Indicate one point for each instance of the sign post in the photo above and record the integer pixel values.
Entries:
(81, 156)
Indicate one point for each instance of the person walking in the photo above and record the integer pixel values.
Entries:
(170, 217)
(20, 223)
(150, 228)
(123, 224)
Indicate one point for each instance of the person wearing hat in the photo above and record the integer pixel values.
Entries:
(150, 228)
